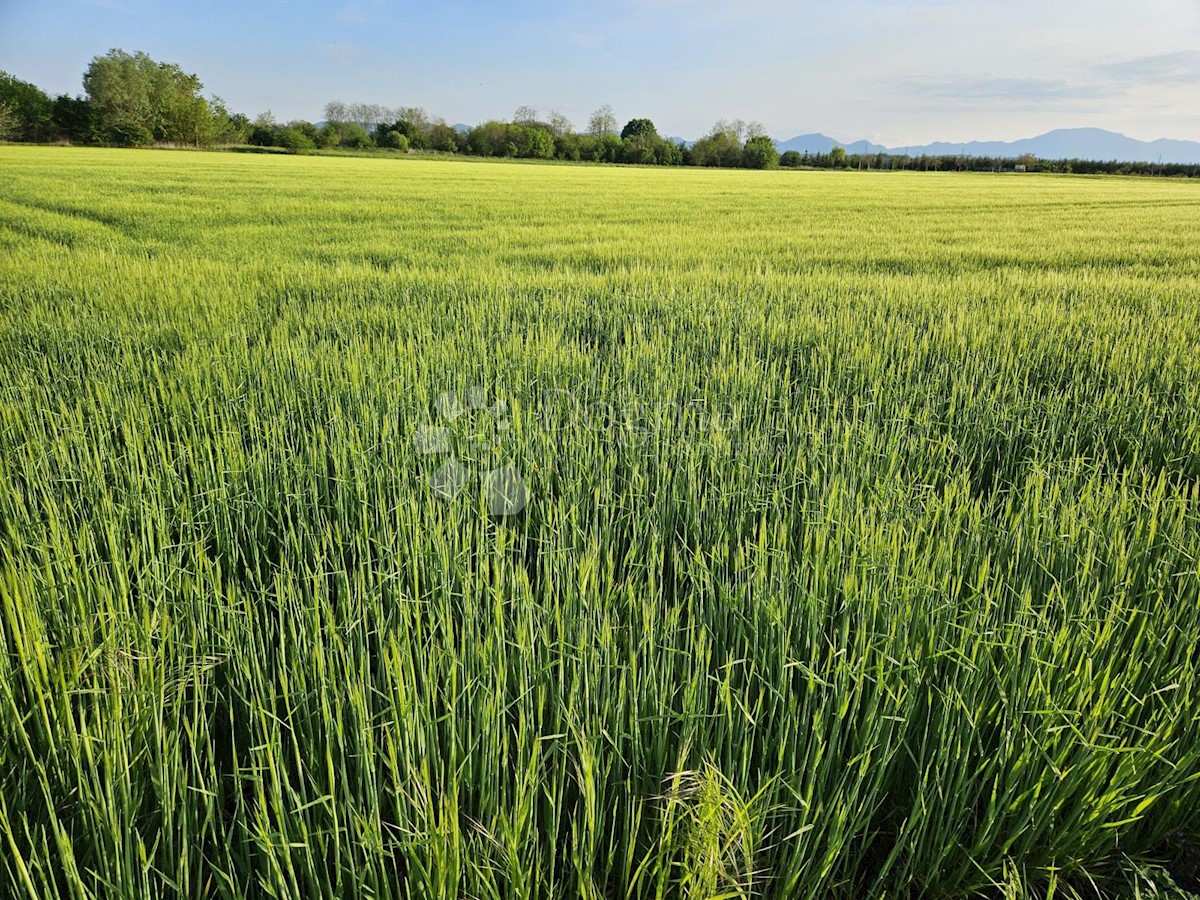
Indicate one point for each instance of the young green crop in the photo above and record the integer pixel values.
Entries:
(846, 542)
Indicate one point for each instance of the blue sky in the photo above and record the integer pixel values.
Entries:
(894, 71)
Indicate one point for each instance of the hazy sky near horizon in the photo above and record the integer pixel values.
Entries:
(899, 72)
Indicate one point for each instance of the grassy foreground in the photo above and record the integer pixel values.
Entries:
(434, 530)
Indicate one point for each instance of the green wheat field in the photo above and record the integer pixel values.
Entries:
(422, 528)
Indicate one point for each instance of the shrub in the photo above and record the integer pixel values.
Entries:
(295, 140)
(130, 135)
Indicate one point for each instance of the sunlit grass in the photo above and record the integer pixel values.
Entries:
(860, 555)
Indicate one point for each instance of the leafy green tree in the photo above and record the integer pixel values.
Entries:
(264, 130)
(308, 129)
(640, 152)
(760, 153)
(327, 136)
(568, 147)
(129, 134)
(73, 119)
(261, 136)
(118, 87)
(236, 129)
(589, 147)
(488, 139)
(182, 115)
(790, 159)
(672, 153)
(644, 146)
(138, 100)
(396, 140)
(353, 136)
(541, 143)
(639, 129)
(721, 147)
(443, 137)
(350, 135)
(415, 132)
(610, 148)
(838, 158)
(295, 140)
(521, 138)
(30, 109)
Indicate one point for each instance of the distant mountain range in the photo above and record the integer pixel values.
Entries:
(1064, 143)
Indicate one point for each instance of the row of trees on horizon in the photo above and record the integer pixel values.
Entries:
(525, 136)
(134, 100)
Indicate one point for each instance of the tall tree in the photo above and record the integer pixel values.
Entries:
(415, 114)
(366, 115)
(138, 100)
(335, 111)
(755, 130)
(560, 124)
(602, 122)
(118, 86)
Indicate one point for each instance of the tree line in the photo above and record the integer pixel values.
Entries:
(134, 100)
(838, 158)
(360, 126)
(128, 100)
